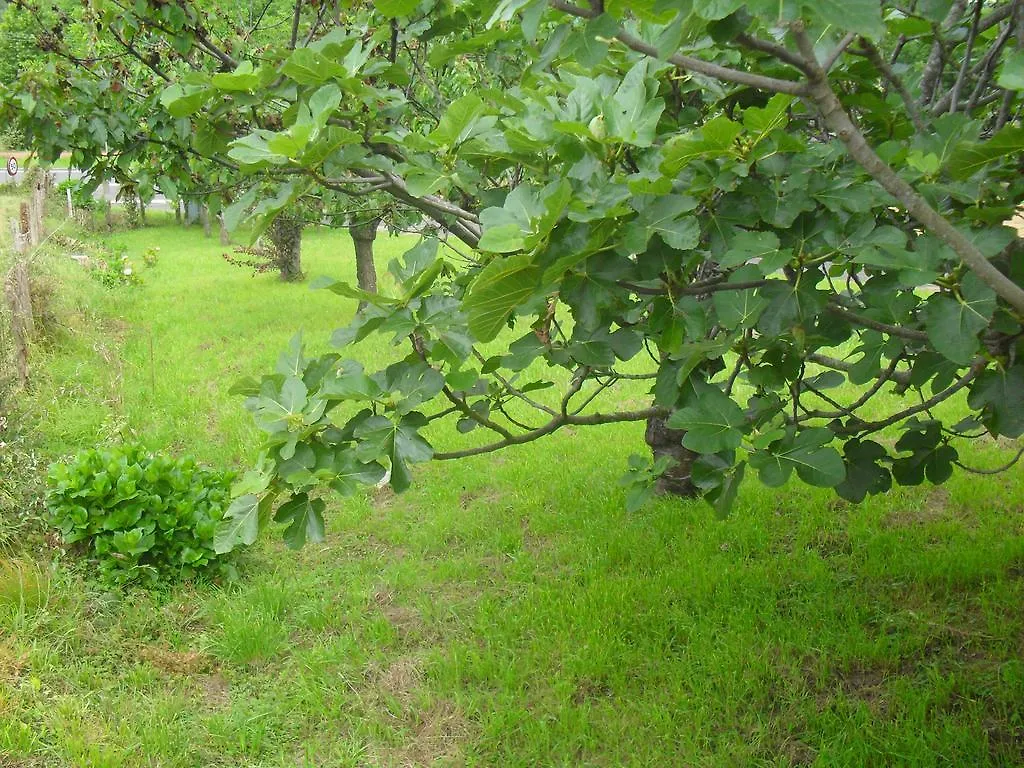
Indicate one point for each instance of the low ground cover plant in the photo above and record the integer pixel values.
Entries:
(142, 517)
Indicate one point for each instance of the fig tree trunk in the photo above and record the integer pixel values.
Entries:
(363, 234)
(225, 236)
(669, 442)
(286, 236)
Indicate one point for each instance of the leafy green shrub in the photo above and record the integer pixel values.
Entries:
(81, 199)
(116, 270)
(142, 517)
(151, 255)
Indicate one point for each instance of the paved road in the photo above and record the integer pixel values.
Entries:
(106, 191)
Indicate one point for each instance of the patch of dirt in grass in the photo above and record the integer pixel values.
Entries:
(831, 543)
(399, 679)
(12, 663)
(935, 507)
(1005, 744)
(185, 616)
(792, 751)
(486, 496)
(383, 497)
(865, 683)
(175, 662)
(405, 619)
(588, 689)
(214, 689)
(436, 736)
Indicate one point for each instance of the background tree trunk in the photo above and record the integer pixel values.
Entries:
(286, 236)
(363, 234)
(204, 219)
(668, 442)
(225, 236)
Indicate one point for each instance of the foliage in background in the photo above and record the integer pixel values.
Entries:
(772, 213)
(142, 517)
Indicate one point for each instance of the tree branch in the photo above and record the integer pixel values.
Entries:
(820, 93)
(966, 64)
(865, 427)
(933, 67)
(772, 49)
(900, 377)
(833, 57)
(866, 322)
(556, 423)
(872, 54)
(296, 15)
(688, 63)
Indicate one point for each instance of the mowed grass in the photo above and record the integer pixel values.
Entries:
(506, 611)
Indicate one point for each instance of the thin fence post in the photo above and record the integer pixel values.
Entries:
(19, 299)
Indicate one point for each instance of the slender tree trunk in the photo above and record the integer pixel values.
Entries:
(668, 442)
(286, 235)
(204, 219)
(225, 236)
(177, 211)
(363, 234)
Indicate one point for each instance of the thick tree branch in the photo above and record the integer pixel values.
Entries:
(820, 93)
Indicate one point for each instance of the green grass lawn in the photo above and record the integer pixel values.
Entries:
(506, 611)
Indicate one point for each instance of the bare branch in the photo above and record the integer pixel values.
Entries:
(933, 67)
(966, 64)
(866, 322)
(773, 49)
(847, 410)
(900, 377)
(515, 392)
(296, 15)
(556, 423)
(872, 54)
(997, 470)
(864, 427)
(833, 57)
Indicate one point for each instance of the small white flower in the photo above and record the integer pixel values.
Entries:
(127, 271)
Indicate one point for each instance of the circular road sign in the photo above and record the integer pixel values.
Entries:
(12, 166)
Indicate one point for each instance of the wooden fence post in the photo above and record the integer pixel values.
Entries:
(36, 207)
(19, 299)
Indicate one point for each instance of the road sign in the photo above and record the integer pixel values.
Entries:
(12, 166)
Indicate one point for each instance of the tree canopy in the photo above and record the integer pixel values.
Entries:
(772, 213)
